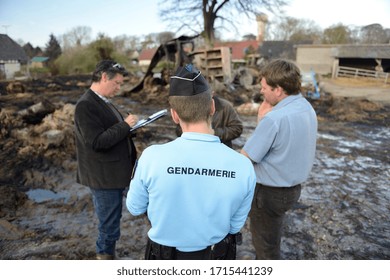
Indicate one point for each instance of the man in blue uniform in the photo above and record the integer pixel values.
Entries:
(282, 149)
(196, 191)
(226, 123)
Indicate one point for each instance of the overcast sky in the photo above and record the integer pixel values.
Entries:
(34, 20)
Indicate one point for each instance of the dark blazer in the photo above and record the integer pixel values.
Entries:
(105, 151)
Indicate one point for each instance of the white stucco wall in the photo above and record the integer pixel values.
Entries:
(320, 58)
(10, 67)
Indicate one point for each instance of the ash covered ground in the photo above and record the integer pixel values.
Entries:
(343, 212)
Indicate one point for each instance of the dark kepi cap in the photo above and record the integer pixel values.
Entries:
(188, 81)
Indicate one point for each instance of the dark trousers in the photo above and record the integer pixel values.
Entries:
(223, 250)
(268, 210)
(155, 251)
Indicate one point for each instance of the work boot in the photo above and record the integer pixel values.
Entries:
(104, 257)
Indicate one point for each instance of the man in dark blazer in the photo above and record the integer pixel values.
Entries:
(105, 151)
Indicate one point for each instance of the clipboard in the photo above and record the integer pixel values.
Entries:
(150, 119)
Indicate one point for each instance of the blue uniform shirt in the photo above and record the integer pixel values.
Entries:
(195, 190)
(283, 144)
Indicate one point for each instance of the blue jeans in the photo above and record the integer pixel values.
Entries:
(268, 209)
(108, 208)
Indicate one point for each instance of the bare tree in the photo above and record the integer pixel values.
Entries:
(337, 34)
(124, 43)
(205, 16)
(77, 36)
(150, 41)
(355, 34)
(296, 30)
(164, 37)
(374, 34)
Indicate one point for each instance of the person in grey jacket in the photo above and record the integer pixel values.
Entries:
(105, 151)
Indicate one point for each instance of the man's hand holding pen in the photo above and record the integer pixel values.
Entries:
(131, 119)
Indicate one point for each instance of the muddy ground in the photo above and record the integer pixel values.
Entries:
(343, 213)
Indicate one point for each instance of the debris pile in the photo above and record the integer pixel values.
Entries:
(37, 151)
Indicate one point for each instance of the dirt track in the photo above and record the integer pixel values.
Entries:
(44, 214)
(353, 88)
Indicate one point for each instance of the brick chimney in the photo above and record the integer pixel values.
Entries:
(262, 20)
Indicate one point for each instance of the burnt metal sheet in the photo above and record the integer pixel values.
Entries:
(363, 51)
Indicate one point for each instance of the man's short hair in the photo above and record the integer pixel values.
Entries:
(110, 67)
(283, 73)
(192, 109)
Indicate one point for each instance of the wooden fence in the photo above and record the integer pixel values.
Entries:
(356, 72)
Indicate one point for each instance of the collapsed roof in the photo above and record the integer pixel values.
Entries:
(172, 50)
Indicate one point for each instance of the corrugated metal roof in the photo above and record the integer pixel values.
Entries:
(363, 51)
(10, 50)
(39, 59)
